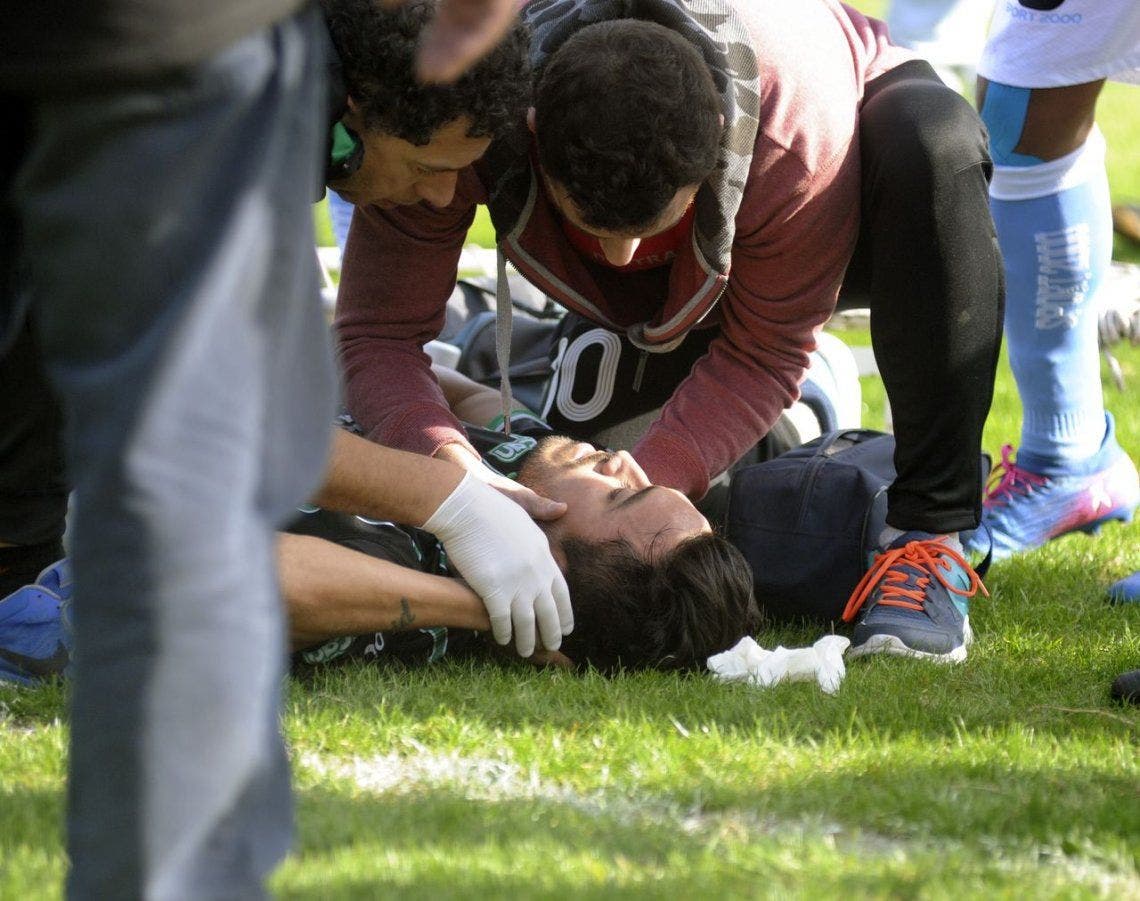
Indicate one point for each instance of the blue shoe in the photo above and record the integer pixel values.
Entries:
(1025, 507)
(1126, 591)
(35, 637)
(914, 601)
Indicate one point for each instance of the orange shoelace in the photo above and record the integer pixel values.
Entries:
(1007, 480)
(929, 555)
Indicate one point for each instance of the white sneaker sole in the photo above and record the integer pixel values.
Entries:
(893, 645)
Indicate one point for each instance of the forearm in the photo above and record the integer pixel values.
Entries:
(331, 591)
(468, 400)
(774, 304)
(391, 393)
(722, 409)
(383, 483)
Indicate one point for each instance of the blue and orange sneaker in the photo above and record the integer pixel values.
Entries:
(35, 633)
(1029, 504)
(914, 601)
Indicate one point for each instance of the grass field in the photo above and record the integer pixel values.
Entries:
(1009, 776)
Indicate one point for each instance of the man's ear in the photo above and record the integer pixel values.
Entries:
(557, 553)
(530, 120)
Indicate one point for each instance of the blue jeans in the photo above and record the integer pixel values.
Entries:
(167, 248)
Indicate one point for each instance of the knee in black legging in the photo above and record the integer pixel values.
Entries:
(916, 133)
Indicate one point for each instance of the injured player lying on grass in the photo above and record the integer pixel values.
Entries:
(651, 584)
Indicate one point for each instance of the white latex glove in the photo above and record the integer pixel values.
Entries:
(506, 560)
(536, 506)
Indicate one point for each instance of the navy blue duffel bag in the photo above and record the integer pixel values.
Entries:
(808, 521)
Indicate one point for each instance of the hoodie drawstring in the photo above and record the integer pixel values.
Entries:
(503, 319)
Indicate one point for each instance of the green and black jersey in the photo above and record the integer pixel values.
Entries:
(414, 548)
(505, 454)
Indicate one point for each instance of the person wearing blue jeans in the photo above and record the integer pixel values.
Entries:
(156, 171)
(168, 274)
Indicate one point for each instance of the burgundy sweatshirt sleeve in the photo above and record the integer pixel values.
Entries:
(399, 270)
(788, 261)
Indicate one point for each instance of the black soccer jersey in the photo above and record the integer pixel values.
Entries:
(404, 546)
(414, 548)
(503, 453)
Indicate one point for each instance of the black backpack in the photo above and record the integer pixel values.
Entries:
(808, 522)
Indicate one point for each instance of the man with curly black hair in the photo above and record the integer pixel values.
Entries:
(417, 137)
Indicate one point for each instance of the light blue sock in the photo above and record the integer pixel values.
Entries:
(1054, 223)
(340, 217)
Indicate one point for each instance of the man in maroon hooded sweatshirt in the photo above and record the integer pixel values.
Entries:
(698, 180)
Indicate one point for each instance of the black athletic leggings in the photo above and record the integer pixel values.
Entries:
(928, 265)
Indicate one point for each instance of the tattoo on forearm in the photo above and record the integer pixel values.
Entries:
(406, 617)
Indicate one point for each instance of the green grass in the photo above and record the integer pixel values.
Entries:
(1003, 424)
(1009, 776)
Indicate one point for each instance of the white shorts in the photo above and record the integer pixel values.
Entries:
(1072, 42)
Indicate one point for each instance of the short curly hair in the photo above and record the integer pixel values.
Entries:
(377, 48)
(626, 114)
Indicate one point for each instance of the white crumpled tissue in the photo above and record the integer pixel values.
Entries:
(747, 662)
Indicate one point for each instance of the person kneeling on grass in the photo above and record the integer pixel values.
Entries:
(651, 584)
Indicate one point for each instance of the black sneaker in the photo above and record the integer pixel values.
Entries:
(1126, 687)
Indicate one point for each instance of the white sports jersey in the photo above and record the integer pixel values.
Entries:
(1054, 43)
(946, 32)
